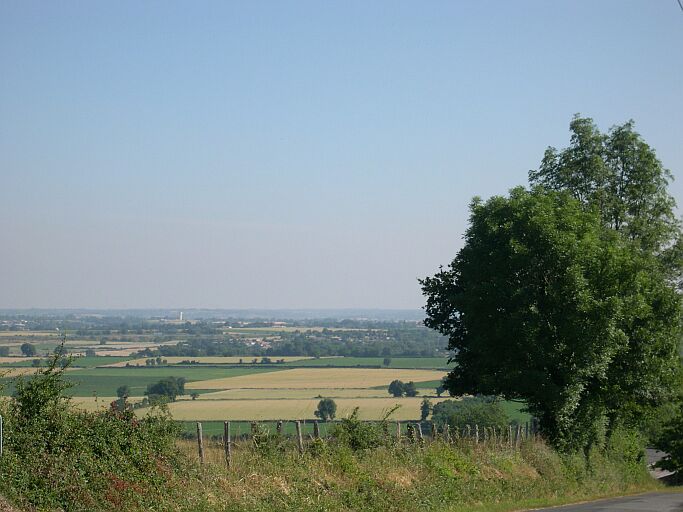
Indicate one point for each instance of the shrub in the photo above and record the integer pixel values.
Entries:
(482, 411)
(57, 457)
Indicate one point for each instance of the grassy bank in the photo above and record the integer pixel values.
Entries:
(436, 477)
(59, 458)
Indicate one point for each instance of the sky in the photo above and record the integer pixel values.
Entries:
(295, 154)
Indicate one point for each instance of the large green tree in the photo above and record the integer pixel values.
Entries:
(546, 303)
(619, 175)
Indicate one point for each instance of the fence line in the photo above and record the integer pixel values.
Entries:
(511, 436)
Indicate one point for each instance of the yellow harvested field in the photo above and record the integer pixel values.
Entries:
(260, 394)
(14, 359)
(207, 360)
(368, 409)
(323, 378)
(25, 370)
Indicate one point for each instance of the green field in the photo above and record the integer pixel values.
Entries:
(78, 362)
(105, 381)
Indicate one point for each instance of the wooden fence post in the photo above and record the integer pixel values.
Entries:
(278, 428)
(418, 429)
(299, 437)
(434, 433)
(200, 442)
(227, 445)
(398, 431)
(316, 430)
(476, 434)
(510, 436)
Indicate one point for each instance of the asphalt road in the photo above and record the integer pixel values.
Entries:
(650, 502)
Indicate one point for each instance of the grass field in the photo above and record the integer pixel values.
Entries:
(323, 378)
(273, 409)
(78, 362)
(105, 381)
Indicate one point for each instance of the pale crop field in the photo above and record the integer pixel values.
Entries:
(15, 359)
(8, 373)
(260, 394)
(209, 360)
(322, 378)
(293, 409)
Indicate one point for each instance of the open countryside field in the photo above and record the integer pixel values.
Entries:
(274, 409)
(210, 360)
(395, 362)
(260, 394)
(105, 381)
(323, 378)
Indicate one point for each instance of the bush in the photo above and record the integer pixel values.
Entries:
(57, 457)
(362, 435)
(671, 442)
(482, 411)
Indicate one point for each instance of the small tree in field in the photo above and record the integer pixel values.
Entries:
(396, 388)
(123, 391)
(327, 409)
(409, 389)
(28, 350)
(425, 409)
(387, 361)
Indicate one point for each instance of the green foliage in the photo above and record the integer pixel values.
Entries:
(169, 387)
(123, 391)
(670, 440)
(399, 388)
(327, 409)
(409, 389)
(28, 350)
(396, 388)
(425, 409)
(617, 174)
(362, 435)
(58, 458)
(547, 305)
(483, 411)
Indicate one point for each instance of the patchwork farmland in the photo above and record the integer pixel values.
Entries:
(243, 387)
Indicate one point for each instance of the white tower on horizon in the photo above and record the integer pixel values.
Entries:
(181, 316)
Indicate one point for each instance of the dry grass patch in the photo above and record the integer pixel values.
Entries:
(323, 378)
(260, 394)
(292, 409)
(15, 359)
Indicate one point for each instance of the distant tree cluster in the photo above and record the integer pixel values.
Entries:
(399, 388)
(169, 388)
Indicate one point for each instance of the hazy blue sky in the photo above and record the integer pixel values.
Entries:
(300, 154)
